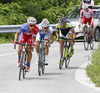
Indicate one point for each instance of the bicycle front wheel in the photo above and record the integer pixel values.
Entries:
(24, 64)
(86, 44)
(21, 64)
(43, 65)
(62, 58)
(40, 62)
(67, 60)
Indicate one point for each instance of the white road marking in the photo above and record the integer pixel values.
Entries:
(8, 54)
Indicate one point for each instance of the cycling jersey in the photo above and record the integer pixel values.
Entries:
(88, 1)
(44, 35)
(26, 34)
(87, 16)
(66, 30)
(24, 29)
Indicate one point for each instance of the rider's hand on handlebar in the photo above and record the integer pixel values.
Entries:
(15, 41)
(33, 44)
(79, 25)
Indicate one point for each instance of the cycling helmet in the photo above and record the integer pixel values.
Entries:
(85, 6)
(45, 23)
(31, 20)
(62, 20)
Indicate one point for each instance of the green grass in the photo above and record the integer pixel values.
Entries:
(93, 69)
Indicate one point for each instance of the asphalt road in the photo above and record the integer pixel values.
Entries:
(53, 81)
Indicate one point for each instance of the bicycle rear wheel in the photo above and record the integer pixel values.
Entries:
(40, 62)
(62, 58)
(86, 45)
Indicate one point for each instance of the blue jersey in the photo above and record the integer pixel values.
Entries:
(24, 29)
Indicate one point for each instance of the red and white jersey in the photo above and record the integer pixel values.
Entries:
(24, 29)
(86, 14)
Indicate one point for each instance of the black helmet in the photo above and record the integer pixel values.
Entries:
(62, 20)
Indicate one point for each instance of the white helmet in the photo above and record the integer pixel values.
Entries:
(31, 20)
(45, 23)
(85, 6)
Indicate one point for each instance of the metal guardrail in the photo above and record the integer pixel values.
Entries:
(15, 28)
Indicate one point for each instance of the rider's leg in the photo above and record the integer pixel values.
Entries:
(83, 28)
(37, 50)
(92, 33)
(19, 53)
(61, 42)
(29, 57)
(70, 36)
(37, 47)
(46, 52)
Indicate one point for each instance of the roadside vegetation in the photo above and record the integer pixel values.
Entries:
(16, 12)
(93, 69)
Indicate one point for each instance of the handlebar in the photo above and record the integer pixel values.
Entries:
(23, 44)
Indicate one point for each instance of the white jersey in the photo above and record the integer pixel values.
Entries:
(88, 1)
(87, 14)
(50, 30)
(44, 35)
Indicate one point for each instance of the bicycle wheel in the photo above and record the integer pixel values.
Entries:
(91, 43)
(86, 45)
(62, 58)
(43, 65)
(24, 64)
(67, 60)
(40, 62)
(21, 65)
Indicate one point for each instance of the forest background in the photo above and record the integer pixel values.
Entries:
(16, 12)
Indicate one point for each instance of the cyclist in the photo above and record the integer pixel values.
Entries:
(27, 32)
(87, 17)
(45, 32)
(89, 2)
(65, 29)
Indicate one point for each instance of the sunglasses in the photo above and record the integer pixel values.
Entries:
(32, 25)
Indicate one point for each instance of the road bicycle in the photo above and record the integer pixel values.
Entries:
(87, 38)
(23, 60)
(65, 55)
(41, 60)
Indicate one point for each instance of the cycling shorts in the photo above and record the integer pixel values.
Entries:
(85, 20)
(24, 38)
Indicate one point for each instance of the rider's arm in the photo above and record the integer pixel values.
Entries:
(51, 38)
(16, 35)
(57, 33)
(33, 38)
(80, 19)
(74, 33)
(92, 20)
(81, 3)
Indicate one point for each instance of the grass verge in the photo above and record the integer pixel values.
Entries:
(93, 69)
